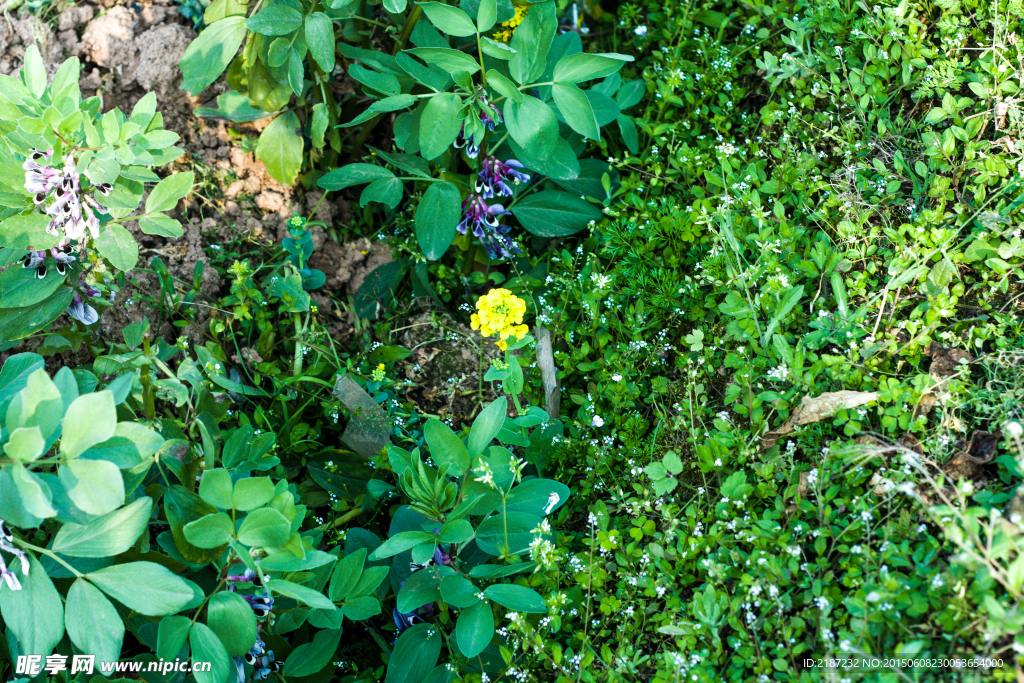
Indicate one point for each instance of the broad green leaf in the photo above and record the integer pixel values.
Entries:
(211, 531)
(275, 20)
(232, 619)
(504, 86)
(532, 124)
(106, 536)
(34, 494)
(25, 444)
(387, 191)
(34, 71)
(346, 574)
(517, 598)
(455, 531)
(164, 592)
(487, 15)
(422, 588)
(531, 41)
(92, 623)
(233, 106)
(206, 647)
(586, 66)
(280, 148)
(353, 174)
(475, 628)
(493, 48)
(265, 527)
(16, 323)
(552, 213)
(118, 246)
(576, 110)
(168, 191)
(252, 492)
(491, 533)
(161, 224)
(210, 53)
(459, 591)
(361, 607)
(446, 448)
(171, 636)
(314, 656)
(486, 426)
(415, 654)
(22, 287)
(538, 497)
(320, 40)
(384, 83)
(437, 217)
(788, 302)
(95, 486)
(450, 20)
(400, 543)
(303, 594)
(216, 488)
(440, 124)
(446, 58)
(34, 614)
(181, 507)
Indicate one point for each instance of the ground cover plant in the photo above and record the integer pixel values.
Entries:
(527, 341)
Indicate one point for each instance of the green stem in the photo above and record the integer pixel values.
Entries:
(297, 362)
(148, 392)
(50, 554)
(403, 37)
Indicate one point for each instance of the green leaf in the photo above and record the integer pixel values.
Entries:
(490, 534)
(459, 591)
(168, 191)
(576, 109)
(206, 647)
(517, 598)
(353, 174)
(171, 636)
(387, 191)
(346, 574)
(164, 592)
(475, 628)
(437, 217)
(789, 301)
(446, 58)
(280, 148)
(450, 20)
(493, 48)
(415, 654)
(264, 528)
(95, 486)
(504, 86)
(33, 614)
(232, 619)
(439, 124)
(275, 20)
(22, 287)
(446, 448)
(486, 426)
(361, 607)
(312, 657)
(532, 124)
(487, 15)
(629, 133)
(16, 323)
(551, 213)
(118, 246)
(672, 462)
(181, 507)
(210, 53)
(216, 488)
(586, 66)
(305, 595)
(538, 497)
(25, 444)
(106, 536)
(34, 71)
(211, 531)
(320, 39)
(386, 84)
(34, 493)
(252, 493)
(531, 41)
(400, 543)
(92, 623)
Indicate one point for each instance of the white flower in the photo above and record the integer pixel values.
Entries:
(640, 31)
(1014, 429)
(597, 421)
(618, 378)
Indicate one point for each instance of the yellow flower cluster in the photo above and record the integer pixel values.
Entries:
(500, 312)
(511, 24)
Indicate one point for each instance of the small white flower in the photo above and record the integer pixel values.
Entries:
(597, 421)
(618, 378)
(640, 31)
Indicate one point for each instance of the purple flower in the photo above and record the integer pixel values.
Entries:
(248, 577)
(84, 313)
(260, 659)
(261, 604)
(35, 259)
(494, 174)
(472, 148)
(486, 111)
(483, 221)
(404, 620)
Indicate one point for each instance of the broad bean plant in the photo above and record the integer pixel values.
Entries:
(71, 177)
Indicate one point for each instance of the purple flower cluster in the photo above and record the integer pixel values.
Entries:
(482, 220)
(37, 260)
(260, 659)
(494, 176)
(59, 193)
(9, 577)
(489, 117)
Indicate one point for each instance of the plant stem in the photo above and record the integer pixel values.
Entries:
(50, 554)
(297, 362)
(403, 37)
